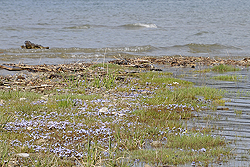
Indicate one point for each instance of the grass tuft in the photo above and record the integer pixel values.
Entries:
(224, 68)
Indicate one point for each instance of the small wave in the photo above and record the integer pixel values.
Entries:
(145, 48)
(205, 48)
(201, 33)
(76, 50)
(139, 25)
(78, 27)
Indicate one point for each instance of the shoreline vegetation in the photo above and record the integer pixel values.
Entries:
(125, 112)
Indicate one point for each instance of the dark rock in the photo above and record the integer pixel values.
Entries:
(30, 45)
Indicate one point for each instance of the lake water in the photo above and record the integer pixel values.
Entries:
(77, 30)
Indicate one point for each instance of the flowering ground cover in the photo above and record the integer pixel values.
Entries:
(118, 117)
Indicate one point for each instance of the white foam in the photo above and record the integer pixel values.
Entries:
(145, 25)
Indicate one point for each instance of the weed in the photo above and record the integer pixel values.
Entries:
(4, 153)
(238, 112)
(228, 78)
(224, 68)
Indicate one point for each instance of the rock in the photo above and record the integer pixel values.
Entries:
(45, 97)
(104, 110)
(29, 128)
(23, 155)
(2, 102)
(13, 163)
(222, 108)
(30, 45)
(146, 165)
(156, 144)
(10, 68)
(20, 77)
(41, 141)
(23, 99)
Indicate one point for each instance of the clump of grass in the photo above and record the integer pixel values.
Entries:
(4, 118)
(4, 152)
(184, 95)
(203, 70)
(238, 112)
(228, 77)
(168, 156)
(194, 141)
(224, 68)
(107, 81)
(16, 95)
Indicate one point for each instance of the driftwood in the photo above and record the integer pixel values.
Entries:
(137, 63)
(30, 45)
(178, 61)
(10, 68)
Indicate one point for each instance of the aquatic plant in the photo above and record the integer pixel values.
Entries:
(234, 78)
(224, 68)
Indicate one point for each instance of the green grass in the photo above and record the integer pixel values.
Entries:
(180, 156)
(143, 107)
(234, 78)
(224, 68)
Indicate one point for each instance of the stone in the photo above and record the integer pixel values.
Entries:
(2, 102)
(29, 128)
(156, 144)
(146, 165)
(104, 110)
(23, 155)
(41, 141)
(30, 45)
(23, 99)
(13, 163)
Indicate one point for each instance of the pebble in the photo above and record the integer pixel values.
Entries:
(40, 141)
(29, 128)
(23, 155)
(156, 143)
(146, 165)
(23, 99)
(104, 110)
(2, 102)
(13, 163)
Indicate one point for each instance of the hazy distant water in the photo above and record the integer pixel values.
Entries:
(78, 29)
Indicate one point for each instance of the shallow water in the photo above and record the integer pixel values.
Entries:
(232, 123)
(79, 29)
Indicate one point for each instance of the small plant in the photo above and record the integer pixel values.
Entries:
(227, 77)
(238, 112)
(3, 121)
(224, 68)
(4, 153)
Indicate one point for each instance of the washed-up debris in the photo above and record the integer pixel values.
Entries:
(74, 67)
(10, 68)
(47, 77)
(136, 63)
(178, 61)
(30, 45)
